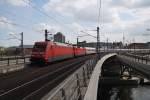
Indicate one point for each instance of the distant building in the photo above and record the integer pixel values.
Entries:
(94, 44)
(148, 44)
(59, 37)
(138, 46)
(82, 44)
(27, 49)
(16, 50)
(117, 45)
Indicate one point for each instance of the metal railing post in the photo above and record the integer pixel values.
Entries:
(146, 60)
(84, 78)
(24, 60)
(8, 62)
(93, 65)
(78, 88)
(89, 66)
(142, 59)
(87, 69)
(16, 60)
(63, 96)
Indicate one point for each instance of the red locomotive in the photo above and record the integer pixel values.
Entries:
(48, 51)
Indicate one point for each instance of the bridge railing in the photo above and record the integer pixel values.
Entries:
(9, 64)
(75, 86)
(138, 58)
(7, 61)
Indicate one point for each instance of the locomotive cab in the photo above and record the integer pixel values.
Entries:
(39, 52)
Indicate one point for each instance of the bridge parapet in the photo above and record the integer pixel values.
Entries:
(74, 87)
(91, 93)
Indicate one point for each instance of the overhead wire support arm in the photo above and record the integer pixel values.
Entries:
(88, 34)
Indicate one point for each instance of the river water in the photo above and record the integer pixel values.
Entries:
(125, 93)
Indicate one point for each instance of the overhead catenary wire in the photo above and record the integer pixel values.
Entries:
(89, 34)
(18, 25)
(10, 23)
(39, 10)
(16, 15)
(58, 22)
(58, 14)
(50, 17)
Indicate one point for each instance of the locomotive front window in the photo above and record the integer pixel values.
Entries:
(40, 47)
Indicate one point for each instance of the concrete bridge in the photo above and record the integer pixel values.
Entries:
(111, 70)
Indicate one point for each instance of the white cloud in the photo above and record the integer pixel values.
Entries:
(51, 28)
(86, 12)
(68, 5)
(17, 2)
(76, 27)
(113, 15)
(79, 9)
(5, 23)
(130, 3)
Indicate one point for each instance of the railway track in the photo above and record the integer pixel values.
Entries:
(42, 83)
(16, 79)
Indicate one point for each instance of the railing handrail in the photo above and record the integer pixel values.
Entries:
(14, 58)
(138, 56)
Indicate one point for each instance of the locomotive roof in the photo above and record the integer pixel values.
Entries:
(67, 45)
(90, 48)
(63, 44)
(56, 43)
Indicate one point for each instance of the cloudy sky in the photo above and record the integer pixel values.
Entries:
(117, 17)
